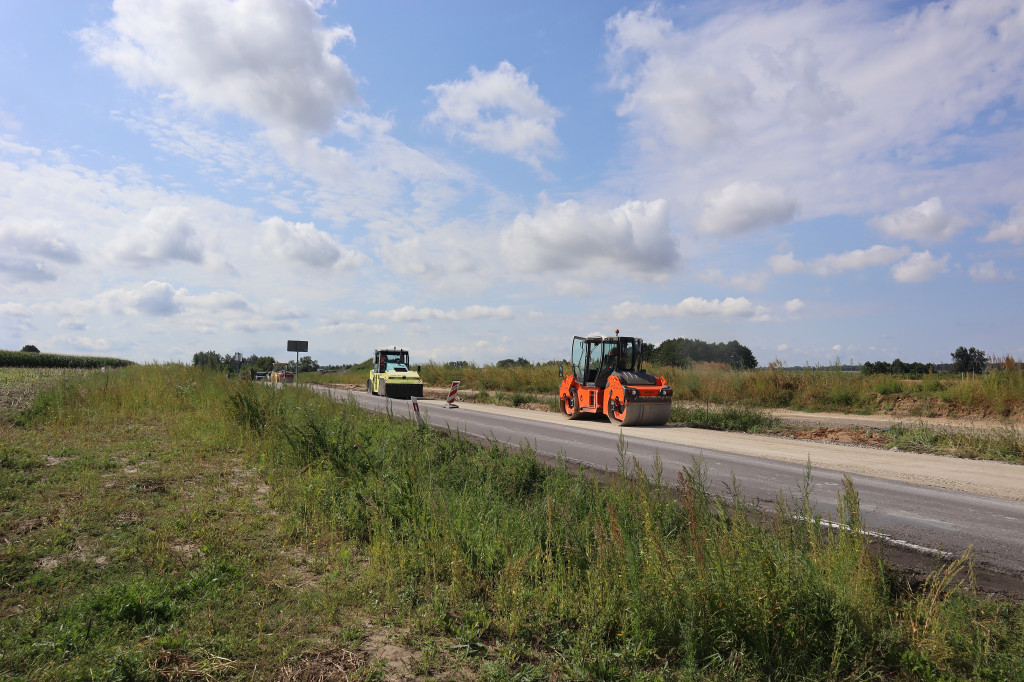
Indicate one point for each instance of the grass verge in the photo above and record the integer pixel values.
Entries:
(162, 523)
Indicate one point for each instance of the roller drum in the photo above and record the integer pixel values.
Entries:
(639, 414)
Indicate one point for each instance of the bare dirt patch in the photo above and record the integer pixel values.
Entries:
(866, 437)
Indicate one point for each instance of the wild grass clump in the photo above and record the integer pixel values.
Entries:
(1004, 443)
(746, 419)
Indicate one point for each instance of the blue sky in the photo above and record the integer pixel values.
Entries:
(473, 180)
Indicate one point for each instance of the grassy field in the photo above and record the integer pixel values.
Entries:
(161, 523)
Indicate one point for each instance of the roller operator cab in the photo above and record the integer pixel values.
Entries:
(607, 378)
(391, 375)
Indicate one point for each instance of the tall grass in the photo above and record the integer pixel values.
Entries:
(618, 580)
(519, 570)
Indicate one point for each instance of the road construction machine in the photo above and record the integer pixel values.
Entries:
(391, 375)
(281, 374)
(608, 378)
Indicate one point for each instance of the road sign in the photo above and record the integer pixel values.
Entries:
(298, 346)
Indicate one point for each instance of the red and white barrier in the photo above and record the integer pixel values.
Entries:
(416, 411)
(451, 395)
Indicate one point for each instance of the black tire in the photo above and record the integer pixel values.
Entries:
(369, 387)
(382, 387)
(571, 405)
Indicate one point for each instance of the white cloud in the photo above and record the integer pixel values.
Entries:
(20, 270)
(633, 237)
(158, 299)
(747, 281)
(39, 237)
(928, 221)
(165, 234)
(499, 111)
(857, 259)
(83, 343)
(266, 60)
(836, 263)
(12, 309)
(303, 243)
(919, 267)
(848, 105)
(741, 206)
(988, 272)
(785, 264)
(690, 307)
(794, 305)
(413, 314)
(1012, 230)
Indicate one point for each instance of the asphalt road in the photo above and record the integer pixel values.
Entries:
(979, 506)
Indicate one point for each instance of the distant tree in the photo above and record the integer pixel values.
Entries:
(308, 364)
(457, 364)
(969, 360)
(683, 352)
(509, 362)
(210, 359)
(29, 348)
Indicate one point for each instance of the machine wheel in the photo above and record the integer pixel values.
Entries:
(616, 412)
(382, 387)
(369, 387)
(571, 405)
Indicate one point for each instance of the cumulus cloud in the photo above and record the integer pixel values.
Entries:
(794, 305)
(157, 299)
(741, 206)
(20, 270)
(1012, 230)
(927, 221)
(500, 111)
(11, 309)
(38, 237)
(836, 263)
(266, 60)
(634, 236)
(165, 234)
(988, 272)
(691, 307)
(919, 267)
(845, 104)
(303, 243)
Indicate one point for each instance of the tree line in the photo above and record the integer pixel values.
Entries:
(213, 360)
(684, 352)
(965, 361)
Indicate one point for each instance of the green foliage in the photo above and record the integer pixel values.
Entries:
(10, 358)
(29, 348)
(897, 366)
(509, 362)
(684, 352)
(969, 360)
(746, 419)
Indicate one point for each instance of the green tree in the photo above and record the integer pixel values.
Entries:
(969, 360)
(308, 364)
(210, 359)
(29, 348)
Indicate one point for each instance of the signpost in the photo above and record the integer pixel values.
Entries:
(298, 347)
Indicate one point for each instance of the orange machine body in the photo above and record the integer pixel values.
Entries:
(608, 378)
